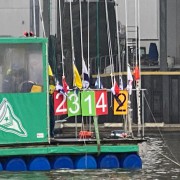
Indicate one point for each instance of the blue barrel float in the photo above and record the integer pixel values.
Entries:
(1, 167)
(62, 162)
(85, 162)
(38, 164)
(108, 161)
(15, 164)
(131, 161)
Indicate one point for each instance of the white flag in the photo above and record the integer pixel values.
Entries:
(85, 75)
(130, 80)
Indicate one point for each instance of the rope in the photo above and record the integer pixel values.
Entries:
(109, 42)
(41, 18)
(139, 43)
(118, 43)
(62, 49)
(97, 34)
(34, 16)
(127, 58)
(80, 15)
(72, 36)
(136, 26)
(176, 161)
(88, 36)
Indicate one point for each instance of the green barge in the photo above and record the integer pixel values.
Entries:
(25, 141)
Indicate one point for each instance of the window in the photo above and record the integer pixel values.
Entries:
(21, 68)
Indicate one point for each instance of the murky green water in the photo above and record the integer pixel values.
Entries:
(156, 155)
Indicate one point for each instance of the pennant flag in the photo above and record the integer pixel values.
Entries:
(130, 80)
(51, 80)
(77, 79)
(65, 85)
(85, 75)
(115, 89)
(121, 83)
(136, 73)
(98, 84)
(60, 89)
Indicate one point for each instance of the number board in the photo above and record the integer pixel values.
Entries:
(60, 104)
(120, 103)
(101, 102)
(88, 103)
(73, 102)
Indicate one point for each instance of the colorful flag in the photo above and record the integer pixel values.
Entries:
(85, 75)
(77, 79)
(60, 89)
(65, 85)
(51, 80)
(115, 89)
(130, 80)
(121, 83)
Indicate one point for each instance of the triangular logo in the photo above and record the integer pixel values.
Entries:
(9, 122)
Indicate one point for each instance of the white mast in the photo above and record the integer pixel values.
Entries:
(138, 82)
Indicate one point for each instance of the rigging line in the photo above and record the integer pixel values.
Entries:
(88, 36)
(72, 36)
(97, 36)
(108, 32)
(136, 26)
(177, 163)
(109, 41)
(34, 17)
(139, 39)
(42, 20)
(127, 58)
(160, 130)
(88, 66)
(118, 43)
(80, 15)
(82, 51)
(62, 49)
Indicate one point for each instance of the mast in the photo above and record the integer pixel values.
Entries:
(129, 115)
(138, 82)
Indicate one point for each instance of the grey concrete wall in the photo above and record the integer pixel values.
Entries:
(14, 17)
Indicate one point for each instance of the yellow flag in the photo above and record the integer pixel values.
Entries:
(50, 71)
(77, 79)
(51, 80)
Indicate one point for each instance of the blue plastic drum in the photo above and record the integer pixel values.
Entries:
(85, 162)
(62, 162)
(1, 167)
(39, 164)
(15, 164)
(132, 161)
(108, 161)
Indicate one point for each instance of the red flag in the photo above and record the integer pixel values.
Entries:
(65, 85)
(116, 88)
